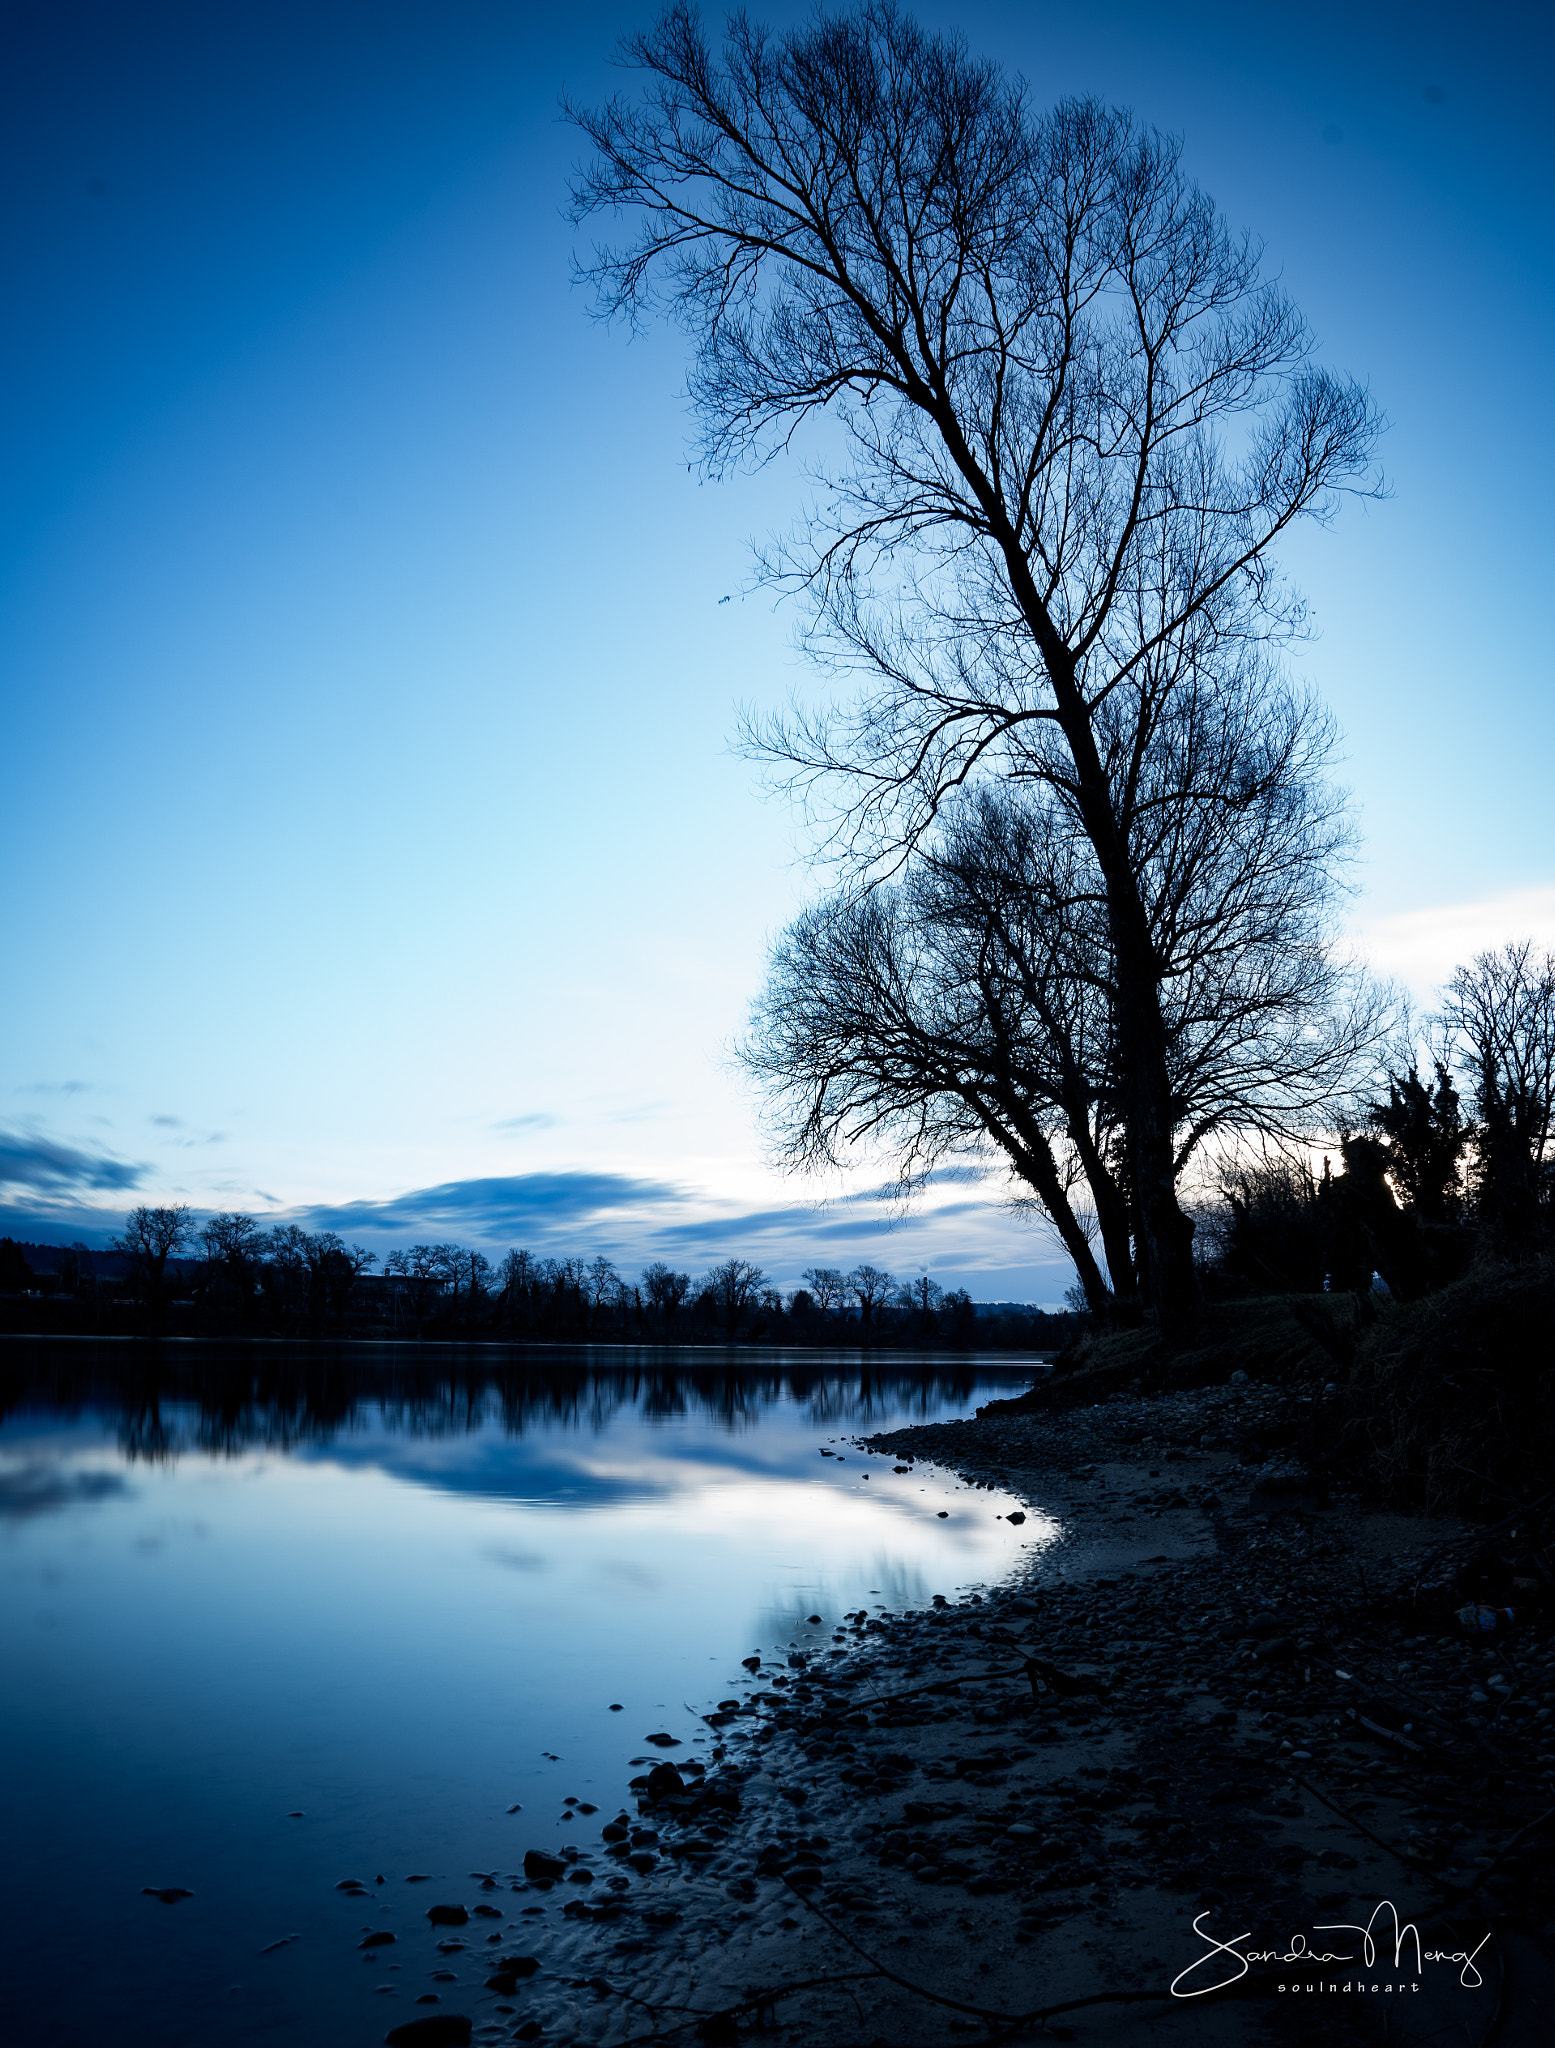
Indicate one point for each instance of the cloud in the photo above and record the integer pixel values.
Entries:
(1422, 947)
(532, 1120)
(501, 1207)
(43, 1167)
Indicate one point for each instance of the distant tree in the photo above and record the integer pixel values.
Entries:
(334, 1267)
(16, 1276)
(802, 1305)
(829, 1288)
(962, 1310)
(235, 1249)
(1427, 1137)
(149, 1239)
(1068, 418)
(666, 1290)
(466, 1278)
(1273, 1235)
(421, 1274)
(1500, 1011)
(604, 1288)
(735, 1287)
(871, 1288)
(923, 1296)
(85, 1268)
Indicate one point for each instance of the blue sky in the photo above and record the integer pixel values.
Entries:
(372, 844)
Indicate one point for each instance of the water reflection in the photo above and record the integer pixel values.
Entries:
(221, 1399)
(274, 1614)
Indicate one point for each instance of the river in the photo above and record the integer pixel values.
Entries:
(278, 1617)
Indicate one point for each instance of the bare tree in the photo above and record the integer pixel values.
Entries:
(922, 1296)
(149, 1239)
(666, 1290)
(828, 1287)
(1500, 1011)
(603, 1288)
(235, 1248)
(1075, 421)
(421, 1274)
(871, 1287)
(735, 1287)
(972, 1006)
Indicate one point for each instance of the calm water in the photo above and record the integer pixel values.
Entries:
(275, 1617)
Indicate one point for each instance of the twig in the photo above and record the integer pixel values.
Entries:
(1031, 1668)
(1501, 1854)
(753, 2002)
(912, 1692)
(1013, 2022)
(1430, 1713)
(1409, 1862)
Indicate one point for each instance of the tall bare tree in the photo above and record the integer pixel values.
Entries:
(1073, 422)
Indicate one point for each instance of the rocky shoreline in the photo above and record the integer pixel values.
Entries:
(1215, 1694)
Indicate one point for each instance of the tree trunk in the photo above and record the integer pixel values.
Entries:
(1166, 1235)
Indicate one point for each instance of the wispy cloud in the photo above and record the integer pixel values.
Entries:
(532, 1120)
(40, 1166)
(1422, 947)
(502, 1208)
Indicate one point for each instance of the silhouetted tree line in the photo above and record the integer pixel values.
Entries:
(231, 1275)
(1434, 1175)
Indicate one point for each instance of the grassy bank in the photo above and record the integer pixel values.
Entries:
(1446, 1403)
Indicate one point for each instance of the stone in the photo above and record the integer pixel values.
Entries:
(662, 1741)
(169, 1894)
(382, 1939)
(538, 1864)
(664, 1782)
(447, 1916)
(437, 2030)
(518, 1966)
(1015, 1520)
